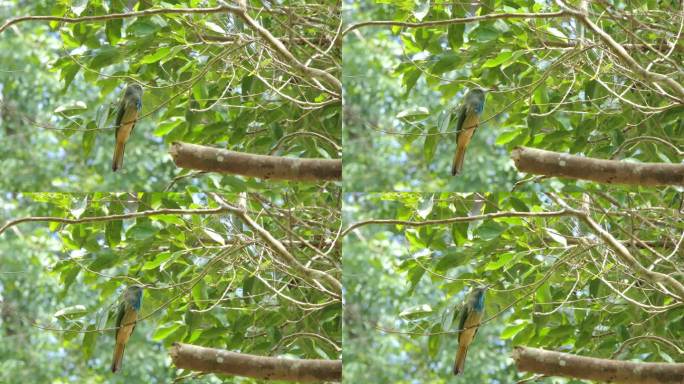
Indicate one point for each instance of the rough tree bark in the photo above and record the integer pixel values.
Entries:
(211, 159)
(547, 163)
(212, 360)
(602, 370)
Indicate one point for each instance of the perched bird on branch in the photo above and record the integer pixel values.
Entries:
(468, 119)
(129, 108)
(471, 316)
(129, 310)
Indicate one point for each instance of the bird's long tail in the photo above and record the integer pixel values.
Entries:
(458, 160)
(117, 162)
(118, 356)
(460, 359)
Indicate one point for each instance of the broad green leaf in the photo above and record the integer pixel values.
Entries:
(416, 312)
(156, 56)
(498, 60)
(72, 312)
(413, 114)
(513, 330)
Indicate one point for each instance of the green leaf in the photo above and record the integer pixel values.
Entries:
(426, 207)
(484, 34)
(413, 114)
(556, 33)
(68, 73)
(410, 78)
(163, 332)
(215, 236)
(498, 60)
(140, 231)
(430, 144)
(68, 276)
(156, 56)
(557, 236)
(507, 136)
(89, 342)
(447, 62)
(414, 276)
(167, 126)
(72, 312)
(435, 340)
(88, 139)
(103, 260)
(113, 31)
(490, 230)
(416, 312)
(455, 35)
(157, 261)
(78, 6)
(142, 27)
(105, 56)
(513, 330)
(72, 108)
(214, 27)
(422, 10)
(503, 260)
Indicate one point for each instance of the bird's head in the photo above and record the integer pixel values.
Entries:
(478, 91)
(477, 296)
(133, 295)
(475, 99)
(480, 288)
(133, 89)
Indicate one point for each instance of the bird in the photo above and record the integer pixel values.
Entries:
(468, 119)
(126, 117)
(129, 310)
(471, 315)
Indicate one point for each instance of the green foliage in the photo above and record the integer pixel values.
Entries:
(554, 283)
(209, 279)
(553, 85)
(208, 79)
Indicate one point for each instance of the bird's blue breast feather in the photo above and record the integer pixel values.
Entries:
(479, 302)
(136, 302)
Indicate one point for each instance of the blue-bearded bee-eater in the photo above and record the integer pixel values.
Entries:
(129, 108)
(468, 120)
(129, 310)
(471, 316)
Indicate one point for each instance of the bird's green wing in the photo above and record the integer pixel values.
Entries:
(119, 117)
(461, 120)
(464, 316)
(119, 316)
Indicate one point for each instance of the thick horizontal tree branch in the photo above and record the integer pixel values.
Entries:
(112, 16)
(220, 361)
(451, 220)
(223, 8)
(547, 163)
(565, 12)
(456, 20)
(198, 157)
(620, 249)
(553, 363)
(132, 215)
(662, 45)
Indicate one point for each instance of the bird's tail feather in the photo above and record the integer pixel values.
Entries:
(458, 161)
(117, 162)
(460, 359)
(118, 356)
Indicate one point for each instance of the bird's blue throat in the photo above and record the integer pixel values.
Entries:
(479, 301)
(137, 302)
